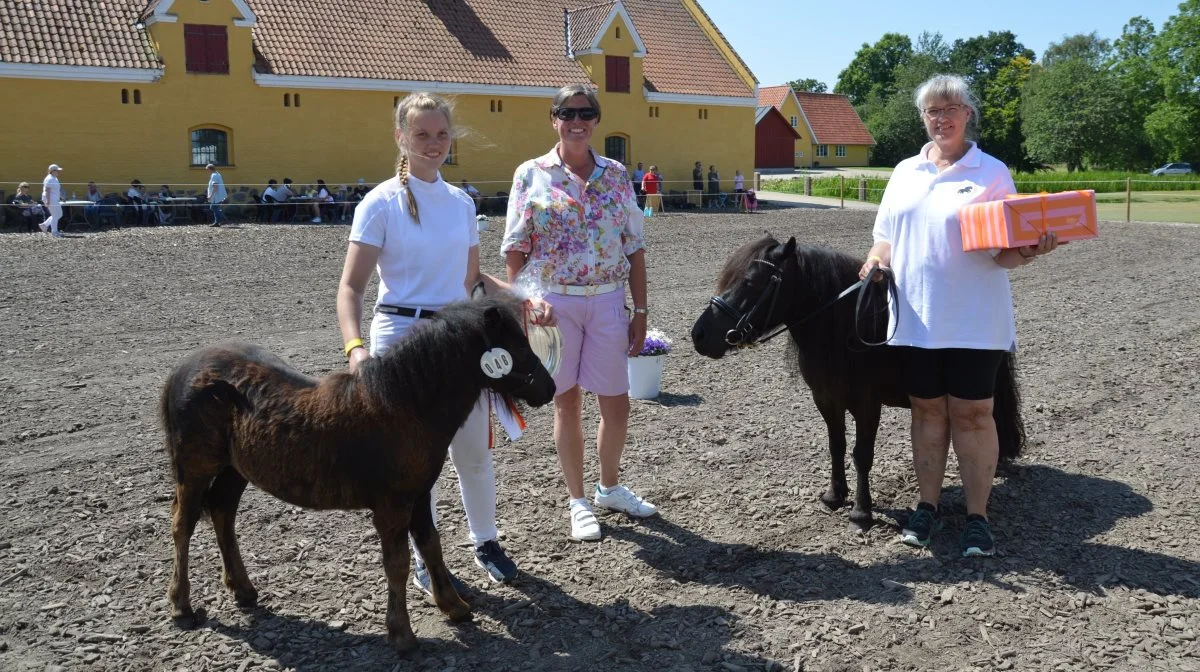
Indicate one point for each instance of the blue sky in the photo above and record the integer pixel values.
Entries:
(782, 40)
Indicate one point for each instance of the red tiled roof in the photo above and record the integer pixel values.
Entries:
(679, 56)
(75, 32)
(833, 119)
(772, 95)
(586, 23)
(518, 42)
(496, 42)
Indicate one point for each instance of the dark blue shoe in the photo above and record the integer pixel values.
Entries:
(421, 580)
(495, 562)
(977, 538)
(921, 526)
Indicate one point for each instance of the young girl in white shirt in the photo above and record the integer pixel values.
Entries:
(419, 233)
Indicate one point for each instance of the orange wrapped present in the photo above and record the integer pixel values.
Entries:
(1020, 219)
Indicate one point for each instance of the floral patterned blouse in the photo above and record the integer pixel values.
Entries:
(585, 231)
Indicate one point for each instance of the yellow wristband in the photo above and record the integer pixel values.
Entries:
(877, 259)
(352, 344)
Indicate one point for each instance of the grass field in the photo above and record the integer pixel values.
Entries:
(1151, 207)
(1171, 198)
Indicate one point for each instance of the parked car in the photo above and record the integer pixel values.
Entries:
(1176, 168)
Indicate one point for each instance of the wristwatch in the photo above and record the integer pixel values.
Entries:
(643, 311)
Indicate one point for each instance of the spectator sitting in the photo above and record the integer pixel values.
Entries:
(474, 194)
(137, 199)
(356, 196)
(323, 197)
(164, 216)
(90, 212)
(271, 199)
(284, 193)
(32, 212)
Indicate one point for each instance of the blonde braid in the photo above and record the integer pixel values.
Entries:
(402, 171)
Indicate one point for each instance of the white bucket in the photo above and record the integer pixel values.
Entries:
(645, 376)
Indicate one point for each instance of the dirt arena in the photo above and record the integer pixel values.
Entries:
(1099, 564)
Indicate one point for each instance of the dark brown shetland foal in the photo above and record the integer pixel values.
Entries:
(373, 440)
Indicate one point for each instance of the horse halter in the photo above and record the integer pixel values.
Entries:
(744, 332)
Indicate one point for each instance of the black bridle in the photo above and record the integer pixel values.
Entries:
(745, 333)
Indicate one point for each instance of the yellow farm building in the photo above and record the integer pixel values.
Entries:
(114, 90)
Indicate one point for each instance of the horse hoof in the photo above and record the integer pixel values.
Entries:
(246, 599)
(190, 620)
(832, 501)
(459, 613)
(403, 643)
(861, 521)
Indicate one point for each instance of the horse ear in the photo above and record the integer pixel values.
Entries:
(789, 248)
(478, 290)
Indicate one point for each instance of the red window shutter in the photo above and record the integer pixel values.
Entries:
(624, 70)
(194, 48)
(610, 73)
(218, 49)
(616, 74)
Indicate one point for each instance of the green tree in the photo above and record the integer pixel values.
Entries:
(1089, 48)
(893, 119)
(1173, 131)
(1131, 64)
(873, 68)
(1068, 113)
(981, 58)
(1173, 127)
(1000, 126)
(808, 86)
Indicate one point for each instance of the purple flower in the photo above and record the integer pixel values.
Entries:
(657, 343)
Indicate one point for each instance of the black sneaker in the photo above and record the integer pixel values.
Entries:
(421, 580)
(977, 538)
(495, 562)
(921, 525)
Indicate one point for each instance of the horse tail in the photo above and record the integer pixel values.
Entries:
(1006, 410)
(186, 410)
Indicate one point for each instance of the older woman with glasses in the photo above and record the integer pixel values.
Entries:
(576, 212)
(954, 313)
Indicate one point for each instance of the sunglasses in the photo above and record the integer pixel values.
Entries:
(569, 113)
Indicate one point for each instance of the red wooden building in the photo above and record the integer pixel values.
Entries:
(774, 139)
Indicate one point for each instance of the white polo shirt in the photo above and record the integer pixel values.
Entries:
(947, 298)
(51, 190)
(420, 265)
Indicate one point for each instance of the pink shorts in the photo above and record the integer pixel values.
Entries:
(595, 338)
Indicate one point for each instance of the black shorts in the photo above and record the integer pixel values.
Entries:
(958, 372)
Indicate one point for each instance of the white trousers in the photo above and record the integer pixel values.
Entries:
(55, 215)
(469, 451)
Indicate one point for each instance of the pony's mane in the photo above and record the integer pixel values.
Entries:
(738, 262)
(449, 344)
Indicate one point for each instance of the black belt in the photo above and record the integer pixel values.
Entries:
(405, 311)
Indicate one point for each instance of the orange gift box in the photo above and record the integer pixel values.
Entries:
(1020, 219)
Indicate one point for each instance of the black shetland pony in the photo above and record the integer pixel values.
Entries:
(765, 284)
(375, 439)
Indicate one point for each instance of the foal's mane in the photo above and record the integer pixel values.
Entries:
(449, 344)
(823, 271)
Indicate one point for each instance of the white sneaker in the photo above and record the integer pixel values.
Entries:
(584, 525)
(44, 227)
(316, 220)
(621, 498)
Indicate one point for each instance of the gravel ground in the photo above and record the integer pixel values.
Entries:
(744, 569)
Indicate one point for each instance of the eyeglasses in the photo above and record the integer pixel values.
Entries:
(569, 113)
(947, 111)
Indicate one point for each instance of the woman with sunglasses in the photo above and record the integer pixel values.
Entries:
(954, 313)
(576, 212)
